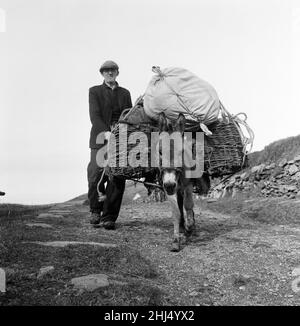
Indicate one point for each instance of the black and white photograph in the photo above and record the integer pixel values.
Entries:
(149, 155)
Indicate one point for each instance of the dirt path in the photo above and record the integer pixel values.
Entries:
(228, 261)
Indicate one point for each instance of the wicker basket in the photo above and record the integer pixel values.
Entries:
(136, 120)
(128, 171)
(224, 150)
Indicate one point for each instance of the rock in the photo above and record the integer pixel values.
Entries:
(194, 293)
(258, 168)
(293, 169)
(296, 176)
(244, 176)
(212, 200)
(282, 163)
(137, 196)
(41, 225)
(90, 282)
(297, 158)
(48, 215)
(44, 271)
(279, 176)
(225, 193)
(291, 162)
(257, 177)
(219, 187)
(62, 244)
(115, 282)
(270, 166)
(60, 211)
(254, 169)
(287, 188)
(296, 272)
(291, 188)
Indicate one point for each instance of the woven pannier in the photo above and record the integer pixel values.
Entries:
(135, 120)
(224, 151)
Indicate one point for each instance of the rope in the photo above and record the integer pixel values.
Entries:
(238, 121)
(247, 141)
(146, 183)
(101, 195)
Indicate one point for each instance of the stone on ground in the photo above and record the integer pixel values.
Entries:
(48, 215)
(45, 270)
(41, 225)
(60, 211)
(62, 244)
(90, 282)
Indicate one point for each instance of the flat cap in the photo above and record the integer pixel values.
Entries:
(109, 65)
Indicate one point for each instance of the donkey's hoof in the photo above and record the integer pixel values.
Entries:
(175, 247)
(188, 232)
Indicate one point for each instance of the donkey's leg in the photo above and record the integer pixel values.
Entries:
(180, 207)
(188, 203)
(176, 221)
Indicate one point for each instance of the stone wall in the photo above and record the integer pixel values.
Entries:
(273, 180)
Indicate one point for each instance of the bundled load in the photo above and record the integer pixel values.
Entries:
(174, 91)
(177, 90)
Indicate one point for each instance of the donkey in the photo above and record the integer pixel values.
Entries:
(177, 187)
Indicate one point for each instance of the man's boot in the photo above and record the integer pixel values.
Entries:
(95, 218)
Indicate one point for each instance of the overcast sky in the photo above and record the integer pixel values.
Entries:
(51, 51)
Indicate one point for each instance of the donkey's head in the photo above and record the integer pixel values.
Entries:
(171, 153)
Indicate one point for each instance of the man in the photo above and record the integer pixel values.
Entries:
(106, 103)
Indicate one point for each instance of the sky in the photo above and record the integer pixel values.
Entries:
(51, 50)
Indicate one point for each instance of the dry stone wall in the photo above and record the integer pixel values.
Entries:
(267, 180)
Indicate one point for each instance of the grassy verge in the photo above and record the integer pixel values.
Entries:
(132, 278)
(16, 210)
(270, 210)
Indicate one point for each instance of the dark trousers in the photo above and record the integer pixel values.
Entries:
(114, 191)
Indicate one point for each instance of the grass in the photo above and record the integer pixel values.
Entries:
(16, 210)
(282, 149)
(55, 289)
(134, 274)
(266, 211)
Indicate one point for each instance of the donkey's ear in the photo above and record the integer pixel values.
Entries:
(180, 123)
(162, 122)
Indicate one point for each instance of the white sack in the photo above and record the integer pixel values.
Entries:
(177, 90)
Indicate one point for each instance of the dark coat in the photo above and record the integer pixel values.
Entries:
(102, 102)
